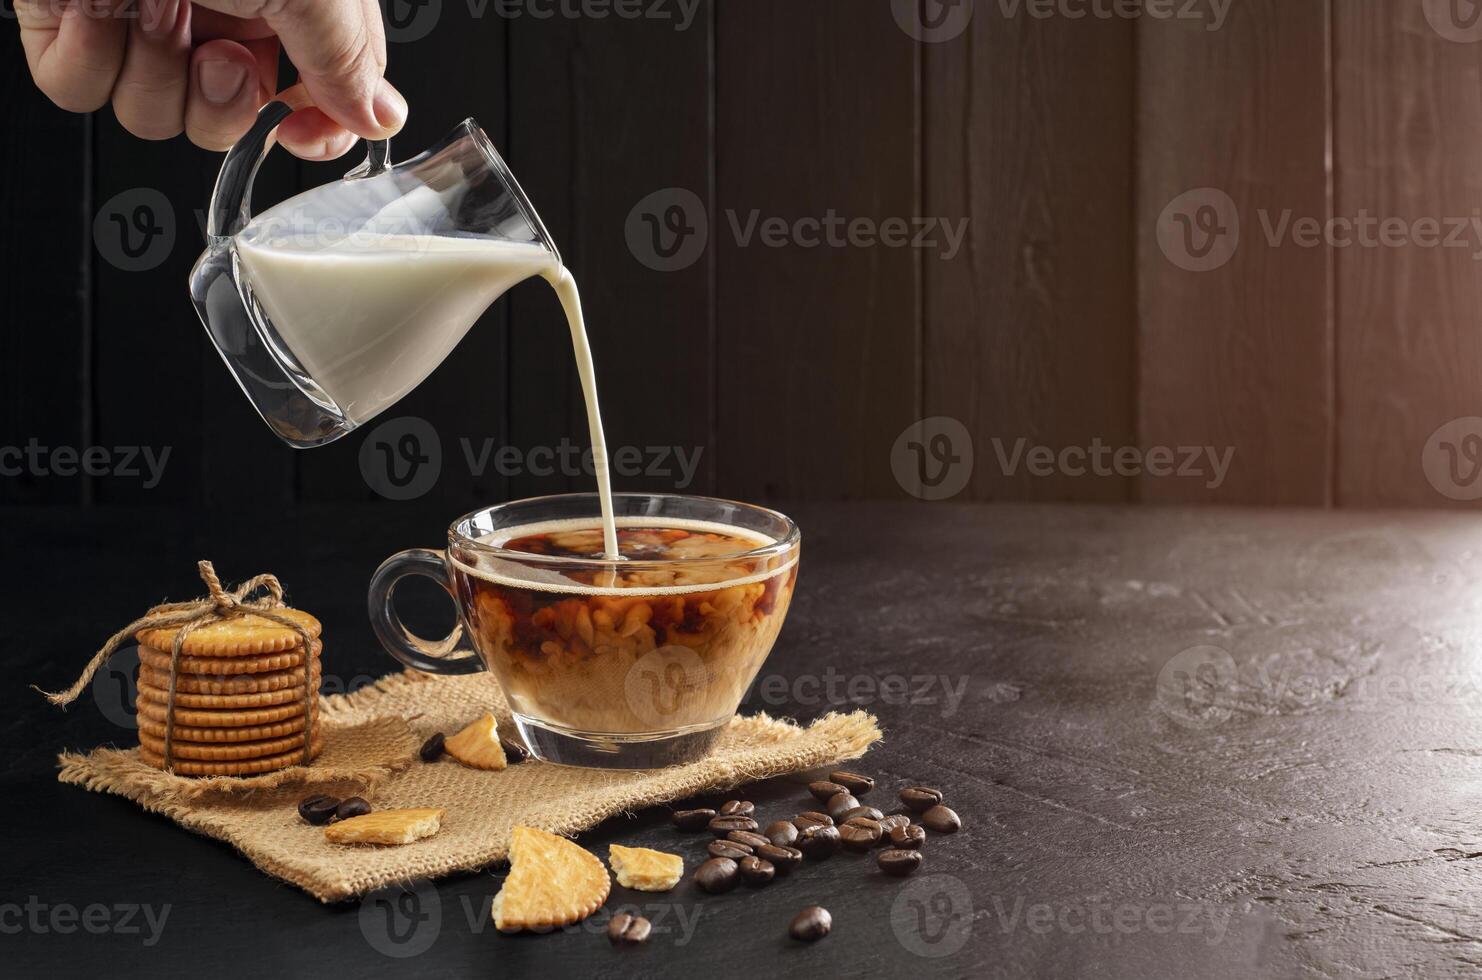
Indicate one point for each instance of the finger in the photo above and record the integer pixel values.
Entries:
(211, 25)
(74, 52)
(224, 94)
(149, 96)
(333, 45)
(312, 135)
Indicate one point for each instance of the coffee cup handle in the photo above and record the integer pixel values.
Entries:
(407, 647)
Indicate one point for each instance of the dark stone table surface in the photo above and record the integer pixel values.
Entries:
(1184, 743)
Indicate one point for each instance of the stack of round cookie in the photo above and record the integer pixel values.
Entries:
(245, 701)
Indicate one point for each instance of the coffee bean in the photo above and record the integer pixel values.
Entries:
(515, 754)
(756, 871)
(887, 824)
(819, 841)
(717, 875)
(784, 859)
(781, 832)
(432, 749)
(898, 862)
(853, 782)
(737, 808)
(355, 806)
(860, 834)
(941, 820)
(751, 840)
(690, 821)
(823, 790)
(728, 849)
(868, 812)
(721, 826)
(628, 930)
(802, 820)
(318, 809)
(839, 804)
(920, 798)
(910, 837)
(811, 924)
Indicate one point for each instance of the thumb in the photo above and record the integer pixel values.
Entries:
(334, 48)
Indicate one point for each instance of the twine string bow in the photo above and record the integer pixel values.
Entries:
(217, 605)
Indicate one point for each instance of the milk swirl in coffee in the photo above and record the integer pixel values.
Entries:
(369, 315)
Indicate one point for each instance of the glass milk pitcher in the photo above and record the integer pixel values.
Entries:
(332, 305)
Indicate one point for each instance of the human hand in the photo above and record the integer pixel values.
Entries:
(207, 66)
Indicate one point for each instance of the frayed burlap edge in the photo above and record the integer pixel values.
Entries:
(123, 773)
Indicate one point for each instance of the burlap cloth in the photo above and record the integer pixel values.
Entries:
(371, 741)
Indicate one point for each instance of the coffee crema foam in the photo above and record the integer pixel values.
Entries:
(512, 572)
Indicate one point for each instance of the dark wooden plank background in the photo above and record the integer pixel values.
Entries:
(1068, 147)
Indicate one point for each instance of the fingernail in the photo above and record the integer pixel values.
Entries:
(221, 80)
(389, 106)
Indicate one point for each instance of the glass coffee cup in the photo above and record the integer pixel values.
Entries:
(631, 663)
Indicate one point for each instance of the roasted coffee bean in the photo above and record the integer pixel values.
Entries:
(852, 781)
(717, 875)
(898, 862)
(781, 832)
(728, 849)
(868, 812)
(941, 820)
(756, 871)
(784, 859)
(628, 930)
(690, 821)
(860, 834)
(920, 798)
(514, 754)
(721, 826)
(823, 790)
(910, 837)
(318, 809)
(802, 820)
(737, 808)
(751, 840)
(432, 749)
(840, 804)
(355, 806)
(811, 924)
(819, 841)
(887, 824)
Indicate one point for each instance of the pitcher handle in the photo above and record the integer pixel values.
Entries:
(401, 643)
(231, 199)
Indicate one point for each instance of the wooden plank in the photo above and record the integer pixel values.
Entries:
(817, 347)
(1409, 314)
(1233, 126)
(44, 250)
(1030, 327)
(607, 113)
(449, 60)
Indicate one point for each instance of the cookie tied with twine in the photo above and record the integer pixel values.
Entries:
(222, 624)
